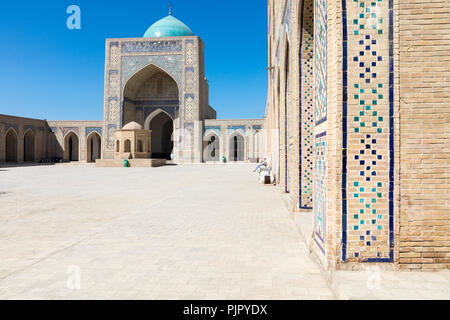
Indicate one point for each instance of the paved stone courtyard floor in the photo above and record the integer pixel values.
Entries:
(175, 232)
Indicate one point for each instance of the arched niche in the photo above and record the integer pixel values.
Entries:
(211, 146)
(29, 141)
(236, 149)
(71, 147)
(11, 145)
(94, 147)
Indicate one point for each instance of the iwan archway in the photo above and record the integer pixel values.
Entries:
(71, 147)
(94, 146)
(151, 98)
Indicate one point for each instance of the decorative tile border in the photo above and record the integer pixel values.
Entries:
(232, 129)
(367, 186)
(109, 141)
(171, 64)
(152, 46)
(152, 102)
(215, 128)
(168, 109)
(66, 130)
(306, 105)
(31, 127)
(320, 190)
(92, 129)
(321, 63)
(14, 126)
(320, 112)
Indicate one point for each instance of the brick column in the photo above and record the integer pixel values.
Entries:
(83, 144)
(223, 142)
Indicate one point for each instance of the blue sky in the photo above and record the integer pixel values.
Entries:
(50, 72)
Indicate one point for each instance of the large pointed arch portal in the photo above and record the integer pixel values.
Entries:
(151, 98)
(148, 90)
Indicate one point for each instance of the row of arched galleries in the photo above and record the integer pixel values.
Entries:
(72, 147)
(11, 145)
(238, 147)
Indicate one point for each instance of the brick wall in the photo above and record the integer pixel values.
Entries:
(424, 134)
(385, 132)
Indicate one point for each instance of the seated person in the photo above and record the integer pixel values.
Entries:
(260, 165)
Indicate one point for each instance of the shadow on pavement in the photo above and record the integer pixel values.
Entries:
(16, 165)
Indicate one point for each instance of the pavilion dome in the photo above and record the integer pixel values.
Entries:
(168, 27)
(132, 126)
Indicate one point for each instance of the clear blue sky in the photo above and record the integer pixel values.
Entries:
(50, 72)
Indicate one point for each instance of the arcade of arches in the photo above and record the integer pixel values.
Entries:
(22, 140)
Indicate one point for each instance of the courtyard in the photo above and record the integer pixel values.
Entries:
(74, 231)
(175, 232)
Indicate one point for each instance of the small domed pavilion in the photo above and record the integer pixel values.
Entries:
(133, 142)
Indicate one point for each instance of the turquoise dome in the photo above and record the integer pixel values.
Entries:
(168, 27)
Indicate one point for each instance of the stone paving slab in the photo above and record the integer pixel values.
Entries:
(392, 285)
(175, 232)
(378, 283)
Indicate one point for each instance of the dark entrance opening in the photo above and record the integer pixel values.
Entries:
(237, 148)
(11, 146)
(162, 130)
(28, 146)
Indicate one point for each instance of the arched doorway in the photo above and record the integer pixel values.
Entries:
(140, 146)
(161, 126)
(94, 149)
(151, 97)
(71, 147)
(236, 148)
(127, 146)
(11, 146)
(28, 146)
(211, 147)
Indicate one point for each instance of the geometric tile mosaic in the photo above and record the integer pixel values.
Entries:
(306, 143)
(320, 65)
(367, 139)
(320, 107)
(320, 190)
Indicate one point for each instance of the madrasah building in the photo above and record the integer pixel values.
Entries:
(356, 130)
(155, 83)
